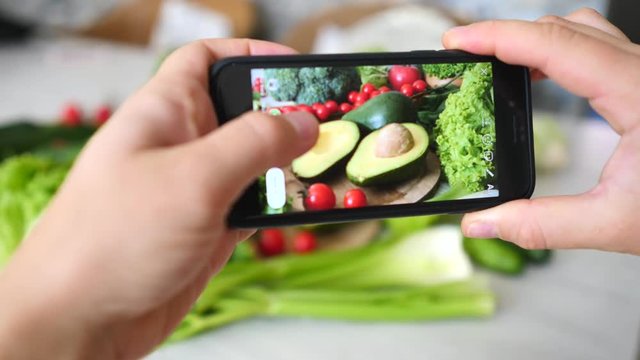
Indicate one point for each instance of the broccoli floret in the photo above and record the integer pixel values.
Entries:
(326, 83)
(446, 71)
(465, 130)
(282, 84)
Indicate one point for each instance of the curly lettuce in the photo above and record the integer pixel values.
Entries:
(27, 183)
(465, 130)
(446, 71)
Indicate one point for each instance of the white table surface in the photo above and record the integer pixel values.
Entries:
(583, 305)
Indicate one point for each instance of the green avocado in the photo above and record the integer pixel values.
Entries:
(367, 169)
(387, 108)
(336, 141)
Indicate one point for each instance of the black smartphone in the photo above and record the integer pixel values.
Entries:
(401, 134)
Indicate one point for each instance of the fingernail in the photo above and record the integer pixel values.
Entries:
(481, 230)
(451, 38)
(305, 124)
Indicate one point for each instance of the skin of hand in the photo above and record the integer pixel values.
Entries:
(591, 58)
(138, 228)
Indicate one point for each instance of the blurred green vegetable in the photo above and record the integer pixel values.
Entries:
(27, 183)
(465, 130)
(496, 254)
(550, 144)
(311, 84)
(375, 75)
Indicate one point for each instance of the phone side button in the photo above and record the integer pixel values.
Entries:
(276, 191)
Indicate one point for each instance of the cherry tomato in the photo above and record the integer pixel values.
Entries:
(359, 103)
(315, 106)
(384, 89)
(362, 97)
(332, 106)
(305, 107)
(374, 93)
(320, 197)
(304, 242)
(352, 96)
(322, 113)
(355, 198)
(288, 109)
(368, 88)
(345, 107)
(419, 86)
(71, 115)
(102, 114)
(407, 90)
(400, 75)
(271, 242)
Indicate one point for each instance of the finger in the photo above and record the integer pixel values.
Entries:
(174, 107)
(584, 65)
(545, 223)
(592, 18)
(242, 149)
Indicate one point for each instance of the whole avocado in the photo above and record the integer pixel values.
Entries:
(387, 108)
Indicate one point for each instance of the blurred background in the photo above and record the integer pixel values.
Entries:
(66, 65)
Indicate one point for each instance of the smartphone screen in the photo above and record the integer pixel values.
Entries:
(395, 138)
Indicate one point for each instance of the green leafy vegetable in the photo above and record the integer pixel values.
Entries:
(312, 84)
(282, 84)
(465, 130)
(27, 183)
(375, 75)
(446, 71)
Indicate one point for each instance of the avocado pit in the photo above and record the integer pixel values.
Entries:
(393, 140)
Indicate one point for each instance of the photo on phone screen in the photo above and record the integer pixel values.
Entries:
(389, 134)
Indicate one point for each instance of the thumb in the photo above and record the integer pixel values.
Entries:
(545, 223)
(230, 158)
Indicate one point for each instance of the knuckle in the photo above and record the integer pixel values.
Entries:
(588, 12)
(550, 19)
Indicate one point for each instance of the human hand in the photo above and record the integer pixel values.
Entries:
(591, 58)
(138, 227)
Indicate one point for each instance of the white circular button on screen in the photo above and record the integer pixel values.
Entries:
(276, 192)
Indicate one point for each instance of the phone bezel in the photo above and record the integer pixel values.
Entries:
(230, 89)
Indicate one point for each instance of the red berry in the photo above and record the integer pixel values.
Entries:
(332, 106)
(419, 86)
(271, 242)
(71, 115)
(305, 107)
(103, 113)
(384, 89)
(320, 197)
(304, 242)
(374, 93)
(345, 108)
(355, 198)
(352, 96)
(322, 113)
(407, 90)
(362, 97)
(367, 88)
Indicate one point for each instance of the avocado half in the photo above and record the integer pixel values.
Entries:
(366, 169)
(384, 109)
(336, 141)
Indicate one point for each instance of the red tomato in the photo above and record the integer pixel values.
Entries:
(352, 96)
(332, 106)
(400, 75)
(362, 97)
(374, 93)
(320, 197)
(304, 242)
(368, 88)
(359, 103)
(315, 106)
(407, 90)
(305, 107)
(102, 114)
(384, 89)
(271, 242)
(71, 115)
(345, 107)
(355, 198)
(419, 85)
(288, 109)
(322, 113)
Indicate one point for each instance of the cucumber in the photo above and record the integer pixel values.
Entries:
(496, 255)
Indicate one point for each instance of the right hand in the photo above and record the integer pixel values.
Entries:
(589, 57)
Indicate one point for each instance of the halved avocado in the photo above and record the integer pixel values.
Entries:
(336, 141)
(367, 169)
